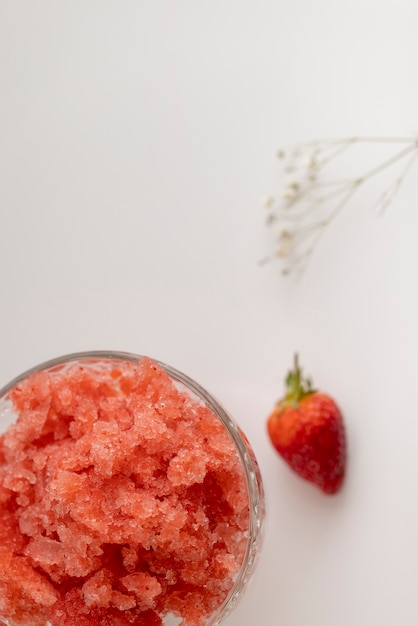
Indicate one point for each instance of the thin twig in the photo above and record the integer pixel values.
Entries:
(302, 214)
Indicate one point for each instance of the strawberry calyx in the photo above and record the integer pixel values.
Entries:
(297, 387)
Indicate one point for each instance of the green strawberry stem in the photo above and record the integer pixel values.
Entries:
(297, 387)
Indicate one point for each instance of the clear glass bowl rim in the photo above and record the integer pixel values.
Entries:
(242, 445)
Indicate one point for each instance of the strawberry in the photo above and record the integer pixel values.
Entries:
(307, 430)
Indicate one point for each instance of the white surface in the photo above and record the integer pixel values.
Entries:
(136, 140)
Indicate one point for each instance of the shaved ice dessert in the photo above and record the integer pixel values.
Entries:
(127, 497)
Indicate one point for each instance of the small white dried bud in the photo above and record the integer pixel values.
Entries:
(285, 243)
(311, 162)
(267, 201)
(288, 194)
(291, 190)
(280, 154)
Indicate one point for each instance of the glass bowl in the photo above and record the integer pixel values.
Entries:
(191, 477)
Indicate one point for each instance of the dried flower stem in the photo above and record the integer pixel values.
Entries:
(308, 205)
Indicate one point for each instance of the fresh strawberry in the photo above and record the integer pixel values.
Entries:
(307, 429)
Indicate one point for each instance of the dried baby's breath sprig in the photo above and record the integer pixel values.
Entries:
(310, 198)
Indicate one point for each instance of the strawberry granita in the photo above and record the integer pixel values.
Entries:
(123, 500)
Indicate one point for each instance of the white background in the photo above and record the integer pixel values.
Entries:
(136, 140)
